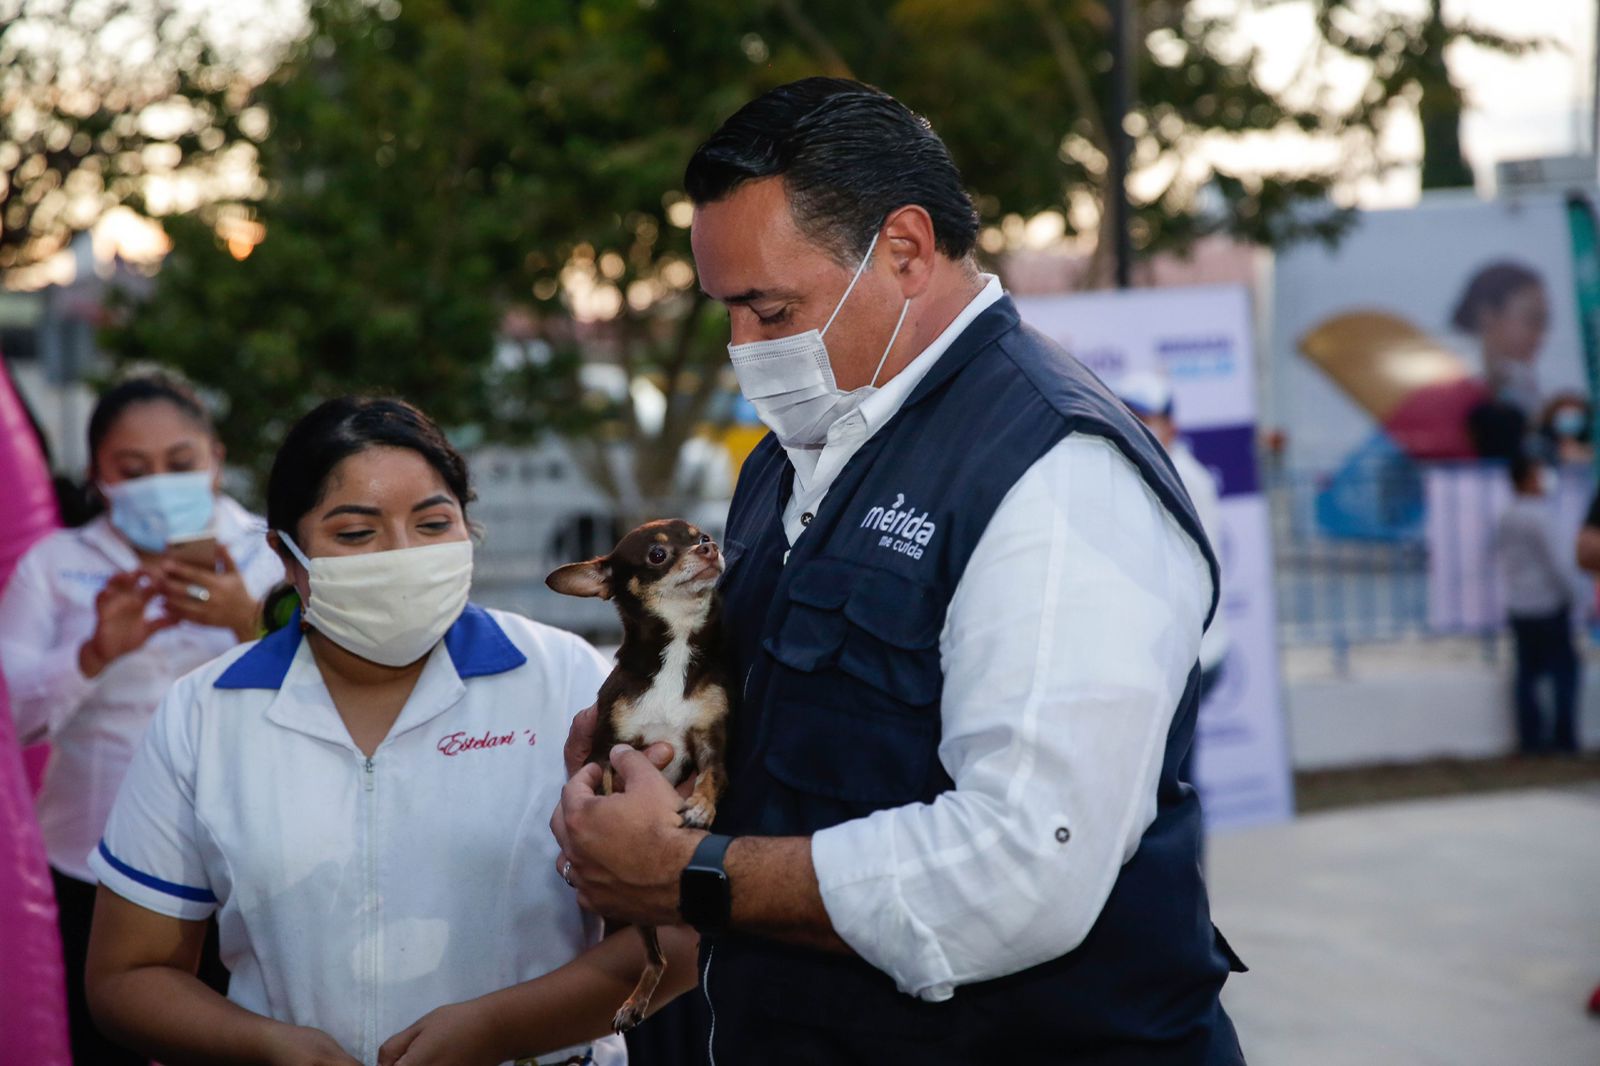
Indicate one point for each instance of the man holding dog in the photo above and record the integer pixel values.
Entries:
(965, 594)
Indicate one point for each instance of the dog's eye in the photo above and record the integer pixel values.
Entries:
(656, 555)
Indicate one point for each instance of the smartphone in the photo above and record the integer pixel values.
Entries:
(199, 549)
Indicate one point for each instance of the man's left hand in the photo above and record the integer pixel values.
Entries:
(626, 849)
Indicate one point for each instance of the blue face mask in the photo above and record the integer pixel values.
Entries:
(153, 509)
(1568, 422)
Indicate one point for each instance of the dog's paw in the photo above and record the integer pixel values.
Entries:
(629, 1016)
(698, 812)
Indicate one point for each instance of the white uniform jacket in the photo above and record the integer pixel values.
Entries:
(355, 895)
(94, 724)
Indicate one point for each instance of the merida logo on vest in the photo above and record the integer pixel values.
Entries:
(902, 529)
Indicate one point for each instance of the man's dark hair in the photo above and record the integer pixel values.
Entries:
(848, 153)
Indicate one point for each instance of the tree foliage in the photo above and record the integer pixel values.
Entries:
(97, 97)
(436, 170)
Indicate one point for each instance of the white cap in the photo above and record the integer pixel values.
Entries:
(1145, 392)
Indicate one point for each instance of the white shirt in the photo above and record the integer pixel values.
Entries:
(1066, 648)
(94, 724)
(1202, 489)
(357, 895)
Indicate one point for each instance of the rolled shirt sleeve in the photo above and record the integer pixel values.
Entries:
(1066, 649)
(150, 853)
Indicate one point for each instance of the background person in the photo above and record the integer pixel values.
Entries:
(1541, 588)
(96, 623)
(362, 799)
(1149, 396)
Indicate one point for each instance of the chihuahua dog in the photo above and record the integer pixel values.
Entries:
(669, 682)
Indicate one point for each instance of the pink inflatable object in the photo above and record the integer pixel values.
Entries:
(33, 1004)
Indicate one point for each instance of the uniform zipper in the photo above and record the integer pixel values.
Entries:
(369, 1029)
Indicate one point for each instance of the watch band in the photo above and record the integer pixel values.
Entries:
(704, 898)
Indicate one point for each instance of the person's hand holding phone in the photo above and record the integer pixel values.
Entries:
(210, 596)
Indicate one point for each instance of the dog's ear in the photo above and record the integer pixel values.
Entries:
(592, 578)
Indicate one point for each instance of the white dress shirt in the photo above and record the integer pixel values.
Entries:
(94, 724)
(355, 895)
(1066, 648)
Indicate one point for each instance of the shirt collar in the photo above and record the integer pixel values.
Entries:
(477, 646)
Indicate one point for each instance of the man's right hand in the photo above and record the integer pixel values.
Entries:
(120, 623)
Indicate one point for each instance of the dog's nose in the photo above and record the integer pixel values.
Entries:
(708, 549)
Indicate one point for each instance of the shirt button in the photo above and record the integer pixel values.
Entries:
(1063, 834)
(806, 518)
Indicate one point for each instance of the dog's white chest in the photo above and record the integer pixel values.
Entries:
(662, 712)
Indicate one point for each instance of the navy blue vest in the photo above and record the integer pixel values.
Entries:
(837, 656)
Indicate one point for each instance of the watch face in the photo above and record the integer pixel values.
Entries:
(703, 898)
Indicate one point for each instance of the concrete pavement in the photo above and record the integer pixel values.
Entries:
(1450, 932)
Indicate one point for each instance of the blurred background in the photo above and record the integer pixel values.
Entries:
(1356, 237)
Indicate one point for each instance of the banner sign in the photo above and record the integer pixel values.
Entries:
(1201, 340)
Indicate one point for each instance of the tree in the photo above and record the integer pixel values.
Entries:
(435, 169)
(96, 98)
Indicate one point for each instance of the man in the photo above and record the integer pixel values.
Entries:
(1149, 396)
(965, 594)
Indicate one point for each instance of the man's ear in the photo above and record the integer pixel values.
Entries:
(592, 578)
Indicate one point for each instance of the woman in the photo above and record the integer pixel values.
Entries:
(1505, 307)
(362, 799)
(97, 622)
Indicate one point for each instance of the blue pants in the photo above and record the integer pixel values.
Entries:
(1544, 650)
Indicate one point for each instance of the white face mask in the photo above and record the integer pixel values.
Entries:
(390, 607)
(790, 380)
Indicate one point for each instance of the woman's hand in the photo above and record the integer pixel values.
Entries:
(296, 1045)
(210, 598)
(120, 623)
(461, 1034)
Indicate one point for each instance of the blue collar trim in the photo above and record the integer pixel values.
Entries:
(477, 645)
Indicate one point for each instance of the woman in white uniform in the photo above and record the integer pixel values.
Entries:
(96, 624)
(362, 798)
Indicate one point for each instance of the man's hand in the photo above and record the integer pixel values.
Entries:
(580, 742)
(461, 1034)
(626, 850)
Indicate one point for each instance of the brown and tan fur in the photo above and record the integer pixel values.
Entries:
(669, 683)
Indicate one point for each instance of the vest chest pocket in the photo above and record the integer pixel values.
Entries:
(853, 703)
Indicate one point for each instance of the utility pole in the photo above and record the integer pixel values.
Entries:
(1122, 65)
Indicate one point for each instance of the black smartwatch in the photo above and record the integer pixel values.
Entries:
(704, 900)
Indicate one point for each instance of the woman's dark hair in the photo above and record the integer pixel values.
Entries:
(848, 153)
(1489, 290)
(340, 428)
(144, 386)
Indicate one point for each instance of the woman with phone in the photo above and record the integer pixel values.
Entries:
(96, 623)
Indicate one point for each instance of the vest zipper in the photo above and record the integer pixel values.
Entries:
(705, 990)
(369, 1028)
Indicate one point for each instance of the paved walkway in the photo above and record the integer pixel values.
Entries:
(1450, 932)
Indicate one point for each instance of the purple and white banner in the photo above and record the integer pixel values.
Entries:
(1200, 339)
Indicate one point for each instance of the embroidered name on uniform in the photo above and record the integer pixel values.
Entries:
(900, 527)
(456, 743)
